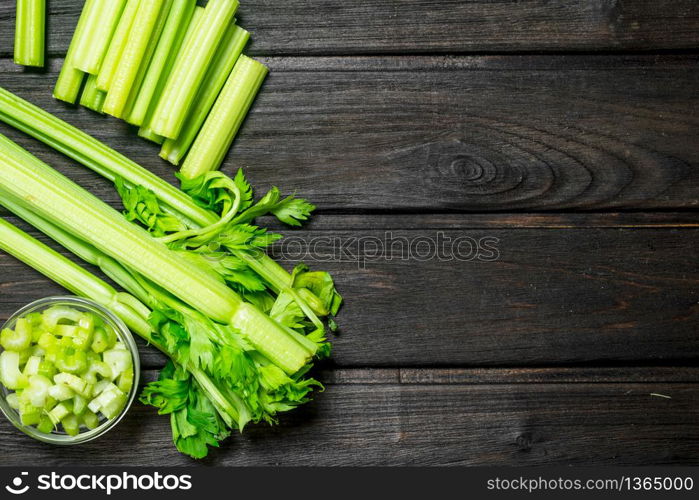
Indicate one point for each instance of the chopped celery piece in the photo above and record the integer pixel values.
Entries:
(104, 385)
(30, 415)
(116, 45)
(47, 369)
(71, 360)
(32, 366)
(165, 53)
(48, 341)
(65, 330)
(87, 322)
(73, 381)
(109, 403)
(227, 54)
(90, 419)
(30, 31)
(45, 425)
(60, 411)
(79, 404)
(104, 338)
(37, 391)
(102, 369)
(61, 392)
(232, 105)
(17, 340)
(132, 56)
(102, 19)
(70, 78)
(125, 381)
(190, 68)
(71, 425)
(10, 374)
(149, 135)
(60, 314)
(119, 360)
(13, 400)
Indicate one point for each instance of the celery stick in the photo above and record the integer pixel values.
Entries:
(70, 79)
(168, 47)
(30, 32)
(149, 135)
(116, 45)
(226, 56)
(132, 57)
(147, 124)
(92, 98)
(147, 59)
(103, 18)
(190, 68)
(220, 127)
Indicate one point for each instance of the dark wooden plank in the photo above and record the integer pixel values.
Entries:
(450, 134)
(385, 26)
(579, 295)
(624, 423)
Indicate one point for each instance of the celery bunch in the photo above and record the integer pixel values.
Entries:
(169, 67)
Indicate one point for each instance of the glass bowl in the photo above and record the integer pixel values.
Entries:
(80, 304)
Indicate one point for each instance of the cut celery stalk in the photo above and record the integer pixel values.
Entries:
(149, 135)
(190, 68)
(116, 45)
(143, 30)
(165, 53)
(147, 60)
(30, 31)
(102, 20)
(70, 78)
(61, 392)
(92, 97)
(227, 54)
(13, 400)
(222, 124)
(10, 374)
(190, 29)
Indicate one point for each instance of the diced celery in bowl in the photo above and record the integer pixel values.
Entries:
(69, 370)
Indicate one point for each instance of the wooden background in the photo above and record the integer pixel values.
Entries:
(565, 129)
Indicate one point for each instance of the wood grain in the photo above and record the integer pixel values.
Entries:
(576, 423)
(302, 27)
(537, 296)
(480, 134)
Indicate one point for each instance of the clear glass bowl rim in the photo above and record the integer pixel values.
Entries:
(124, 335)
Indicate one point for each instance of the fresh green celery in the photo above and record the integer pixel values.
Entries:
(222, 124)
(116, 45)
(190, 68)
(165, 53)
(70, 79)
(30, 32)
(147, 124)
(226, 56)
(147, 58)
(92, 97)
(58, 200)
(103, 18)
(110, 164)
(132, 56)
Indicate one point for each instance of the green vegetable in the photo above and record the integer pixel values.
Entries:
(190, 68)
(226, 117)
(150, 18)
(168, 46)
(70, 78)
(92, 97)
(227, 54)
(101, 22)
(30, 32)
(117, 44)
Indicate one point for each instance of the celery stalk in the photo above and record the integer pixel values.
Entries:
(147, 59)
(226, 56)
(116, 45)
(222, 124)
(132, 56)
(190, 68)
(70, 79)
(147, 126)
(165, 53)
(102, 20)
(92, 97)
(30, 32)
